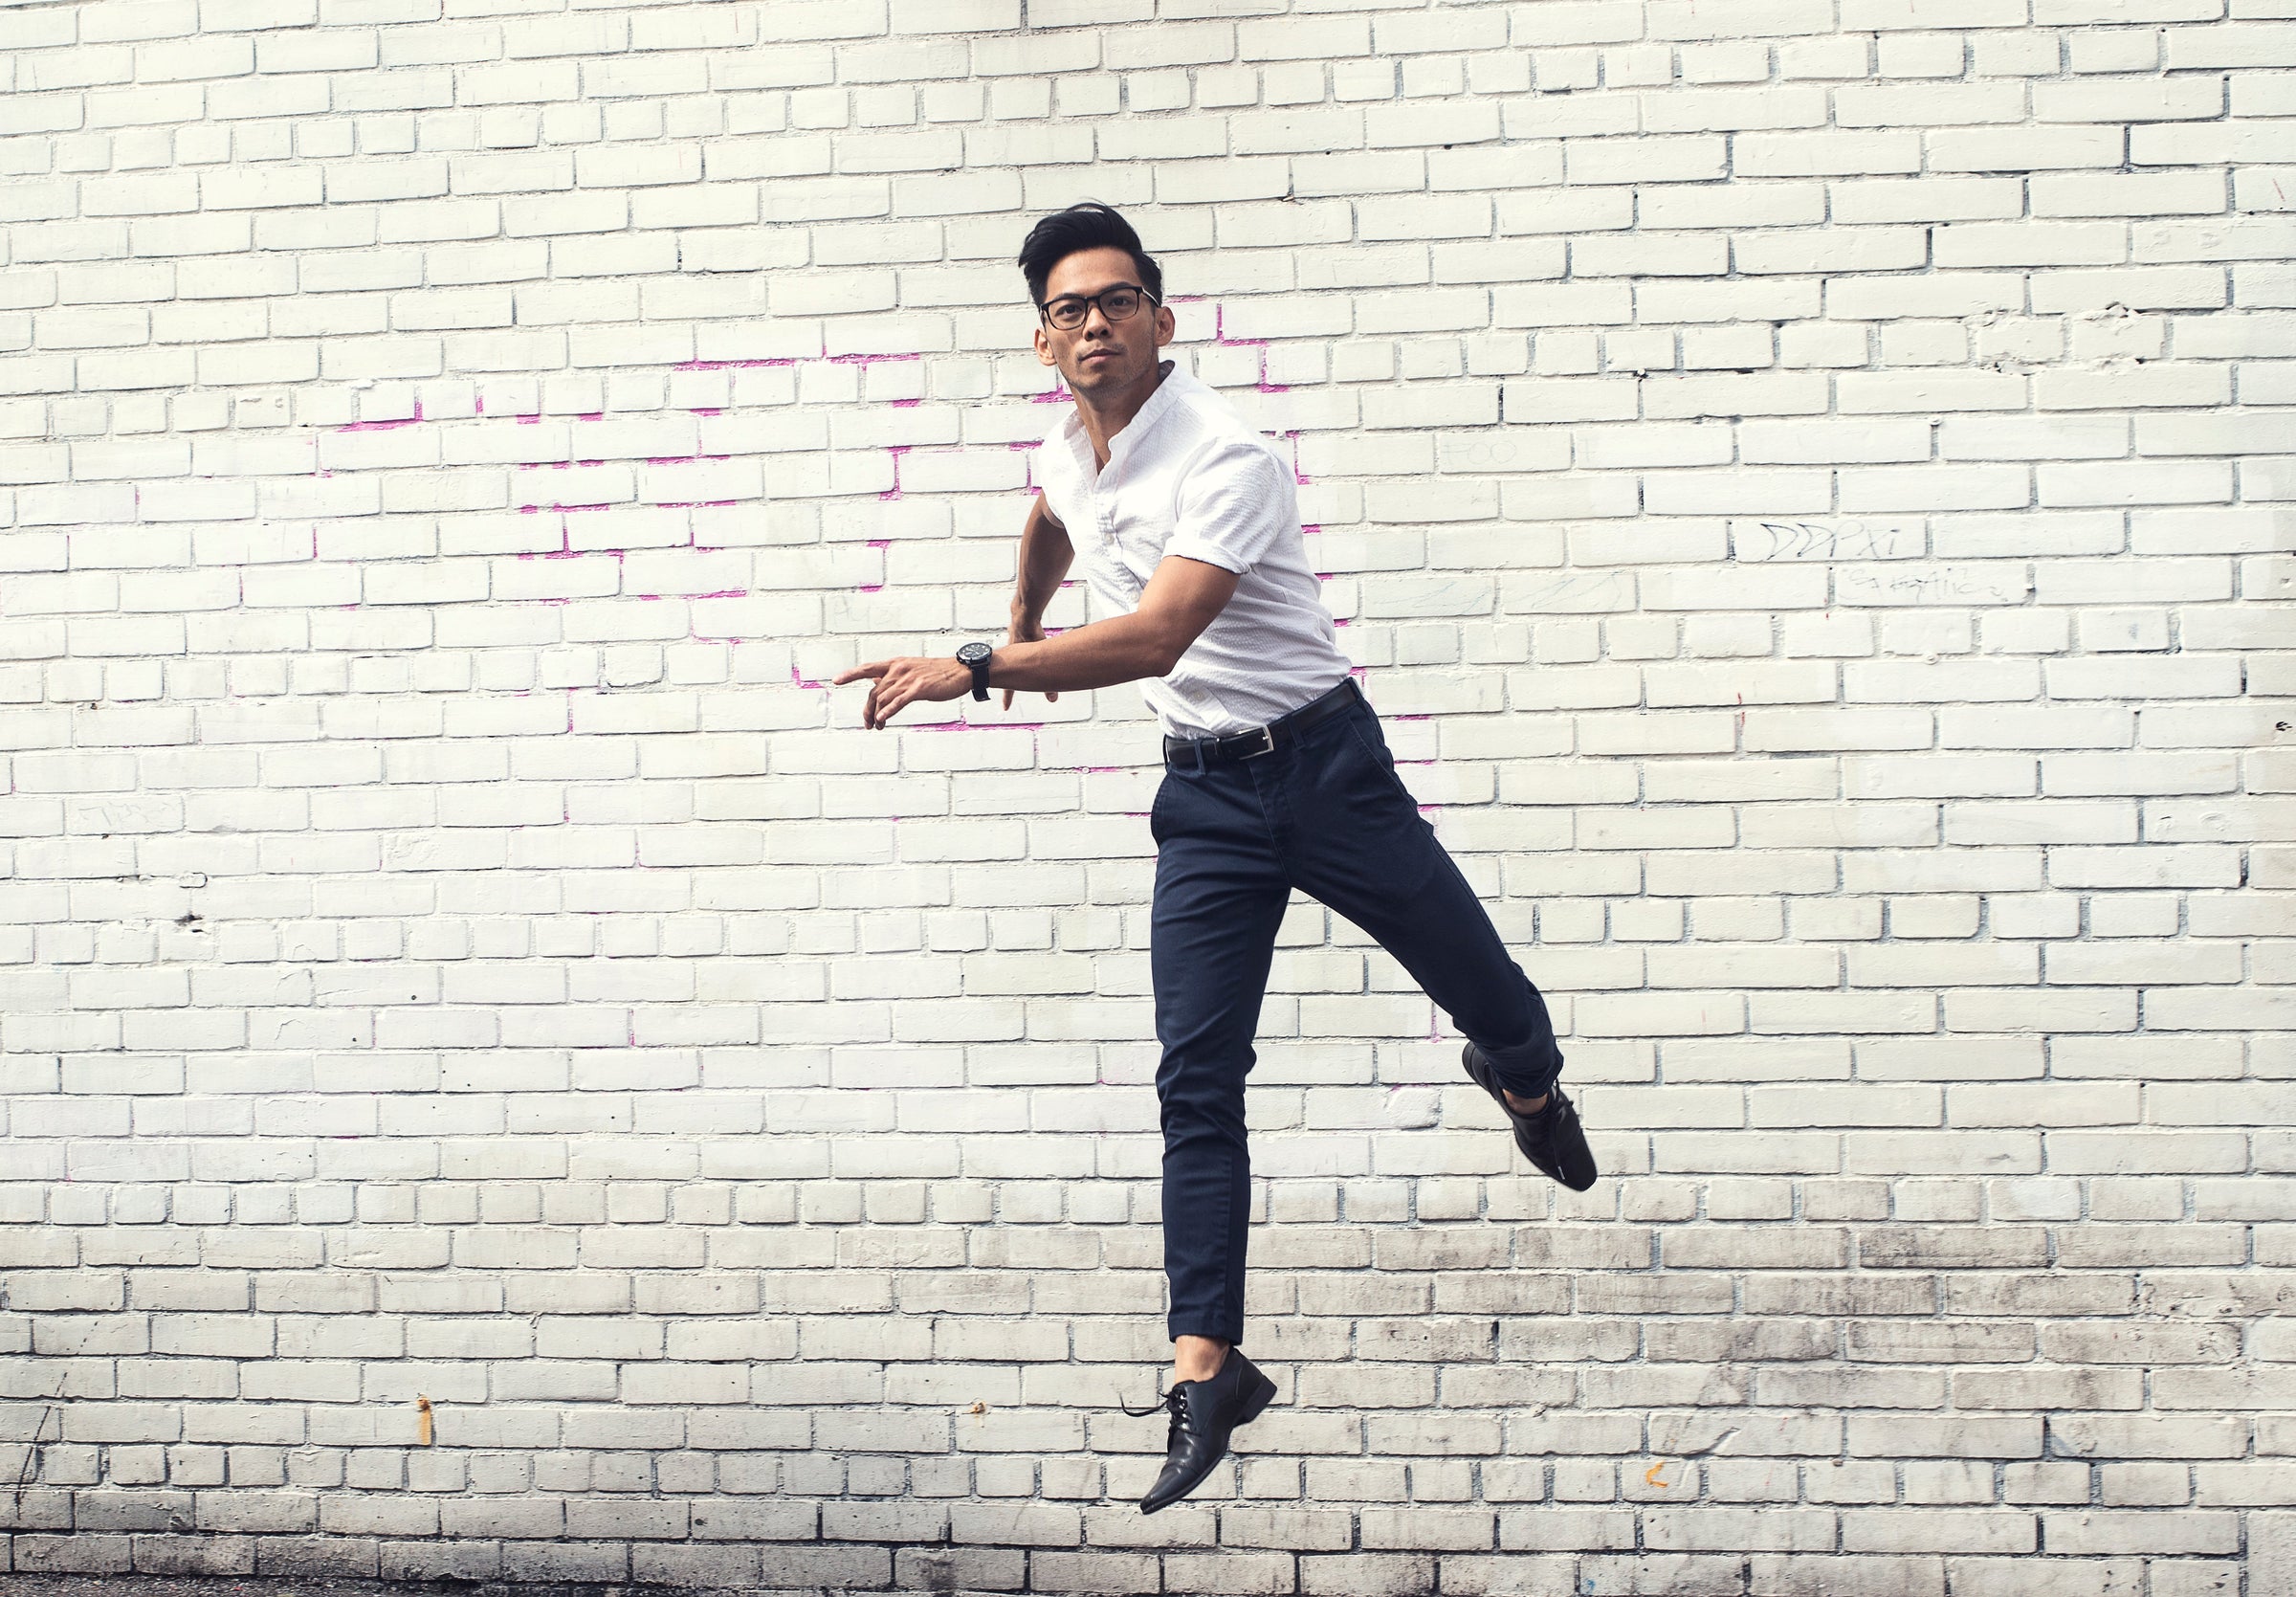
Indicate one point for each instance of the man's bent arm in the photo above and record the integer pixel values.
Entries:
(1046, 553)
(1181, 598)
(1179, 601)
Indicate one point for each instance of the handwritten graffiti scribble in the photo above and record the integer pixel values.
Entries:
(1580, 591)
(1933, 584)
(1768, 541)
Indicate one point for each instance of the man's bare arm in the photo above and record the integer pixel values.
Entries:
(1181, 598)
(1046, 554)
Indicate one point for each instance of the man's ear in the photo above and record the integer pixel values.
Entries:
(1043, 345)
(1166, 324)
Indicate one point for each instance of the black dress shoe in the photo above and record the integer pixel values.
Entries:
(1202, 1414)
(1550, 1137)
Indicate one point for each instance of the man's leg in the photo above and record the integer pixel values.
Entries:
(1220, 896)
(1444, 937)
(1360, 845)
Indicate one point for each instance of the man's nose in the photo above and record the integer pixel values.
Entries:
(1091, 309)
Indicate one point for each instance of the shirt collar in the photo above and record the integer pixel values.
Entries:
(1144, 421)
(1159, 403)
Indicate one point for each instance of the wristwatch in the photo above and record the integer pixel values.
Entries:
(975, 655)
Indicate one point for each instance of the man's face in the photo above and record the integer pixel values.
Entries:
(1101, 357)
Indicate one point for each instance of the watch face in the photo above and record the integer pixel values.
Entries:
(973, 652)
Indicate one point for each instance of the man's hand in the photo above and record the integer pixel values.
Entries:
(894, 683)
(1026, 629)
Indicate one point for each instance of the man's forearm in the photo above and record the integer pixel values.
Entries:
(1121, 649)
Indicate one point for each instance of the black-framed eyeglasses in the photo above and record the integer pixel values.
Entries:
(1116, 305)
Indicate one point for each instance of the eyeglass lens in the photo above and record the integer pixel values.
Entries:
(1116, 305)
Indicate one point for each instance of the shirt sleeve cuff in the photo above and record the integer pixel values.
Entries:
(1210, 553)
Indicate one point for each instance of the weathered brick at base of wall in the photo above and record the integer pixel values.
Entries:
(983, 1572)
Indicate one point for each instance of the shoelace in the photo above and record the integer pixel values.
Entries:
(1175, 1400)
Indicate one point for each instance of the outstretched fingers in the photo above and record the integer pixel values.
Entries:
(874, 672)
(884, 702)
(897, 684)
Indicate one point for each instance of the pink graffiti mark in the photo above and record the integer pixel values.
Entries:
(566, 551)
(1220, 332)
(721, 593)
(1220, 335)
(803, 681)
(823, 354)
(968, 726)
(897, 451)
(383, 426)
(723, 365)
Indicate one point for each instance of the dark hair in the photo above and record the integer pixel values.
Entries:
(1088, 226)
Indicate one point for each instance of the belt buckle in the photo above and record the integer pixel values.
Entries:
(1267, 744)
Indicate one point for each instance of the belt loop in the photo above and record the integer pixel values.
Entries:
(1196, 747)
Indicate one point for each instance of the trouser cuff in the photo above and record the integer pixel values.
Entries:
(1528, 1071)
(1196, 1326)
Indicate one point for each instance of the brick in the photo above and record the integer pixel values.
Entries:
(1907, 1530)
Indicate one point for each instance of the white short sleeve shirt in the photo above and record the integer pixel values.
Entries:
(1189, 477)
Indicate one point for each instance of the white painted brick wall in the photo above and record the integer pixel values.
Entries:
(1810, 481)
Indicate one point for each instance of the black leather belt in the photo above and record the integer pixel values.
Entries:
(1195, 753)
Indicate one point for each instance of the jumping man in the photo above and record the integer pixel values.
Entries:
(1276, 775)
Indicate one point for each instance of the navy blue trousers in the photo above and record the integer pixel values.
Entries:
(1324, 813)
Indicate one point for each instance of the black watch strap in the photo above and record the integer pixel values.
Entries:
(976, 658)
